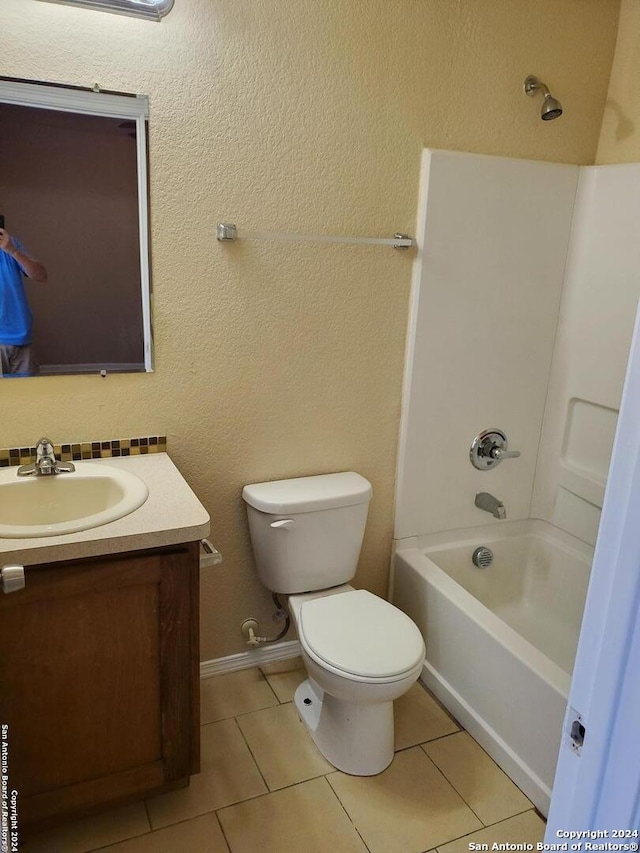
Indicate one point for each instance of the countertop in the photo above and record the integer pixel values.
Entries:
(170, 515)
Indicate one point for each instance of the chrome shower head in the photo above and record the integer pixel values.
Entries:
(551, 107)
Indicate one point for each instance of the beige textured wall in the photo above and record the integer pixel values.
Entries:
(294, 115)
(620, 134)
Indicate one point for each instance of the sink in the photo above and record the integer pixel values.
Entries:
(88, 497)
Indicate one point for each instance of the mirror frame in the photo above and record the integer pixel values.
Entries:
(50, 96)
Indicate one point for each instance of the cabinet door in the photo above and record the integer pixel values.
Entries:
(98, 681)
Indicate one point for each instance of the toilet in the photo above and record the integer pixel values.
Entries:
(360, 652)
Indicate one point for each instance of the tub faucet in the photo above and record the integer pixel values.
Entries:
(45, 462)
(490, 504)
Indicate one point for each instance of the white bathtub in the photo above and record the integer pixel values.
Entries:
(500, 641)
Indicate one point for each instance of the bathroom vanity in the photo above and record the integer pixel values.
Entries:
(99, 672)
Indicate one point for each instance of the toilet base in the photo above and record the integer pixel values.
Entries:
(355, 737)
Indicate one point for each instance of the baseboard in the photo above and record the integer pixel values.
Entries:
(255, 657)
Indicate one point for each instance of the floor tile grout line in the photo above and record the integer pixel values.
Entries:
(111, 843)
(429, 849)
(266, 681)
(460, 794)
(282, 701)
(439, 703)
(344, 808)
(146, 809)
(119, 841)
(247, 713)
(178, 822)
(442, 737)
(517, 814)
(235, 714)
(429, 740)
(253, 758)
(482, 829)
(235, 802)
(224, 834)
(259, 797)
(494, 762)
(262, 776)
(450, 783)
(160, 828)
(262, 678)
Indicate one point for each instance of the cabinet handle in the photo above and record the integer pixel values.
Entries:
(12, 578)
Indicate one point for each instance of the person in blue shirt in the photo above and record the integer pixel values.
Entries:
(15, 315)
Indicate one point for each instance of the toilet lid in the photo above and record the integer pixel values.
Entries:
(361, 634)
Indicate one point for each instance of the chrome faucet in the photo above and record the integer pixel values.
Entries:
(45, 462)
(490, 504)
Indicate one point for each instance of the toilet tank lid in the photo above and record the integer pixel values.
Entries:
(307, 494)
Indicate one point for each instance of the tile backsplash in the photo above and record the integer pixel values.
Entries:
(76, 451)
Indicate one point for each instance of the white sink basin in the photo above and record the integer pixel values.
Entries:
(65, 503)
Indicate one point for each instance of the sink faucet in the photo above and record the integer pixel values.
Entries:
(490, 504)
(45, 462)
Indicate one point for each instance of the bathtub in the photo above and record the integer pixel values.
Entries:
(501, 640)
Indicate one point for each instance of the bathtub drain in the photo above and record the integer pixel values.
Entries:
(482, 557)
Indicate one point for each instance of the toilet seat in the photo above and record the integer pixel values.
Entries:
(360, 636)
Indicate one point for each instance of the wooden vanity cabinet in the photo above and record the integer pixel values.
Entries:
(99, 681)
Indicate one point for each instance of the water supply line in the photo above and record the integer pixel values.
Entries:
(250, 626)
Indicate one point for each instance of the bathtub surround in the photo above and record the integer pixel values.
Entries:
(542, 340)
(493, 235)
(599, 301)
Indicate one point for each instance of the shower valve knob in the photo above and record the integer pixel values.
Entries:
(489, 448)
(498, 453)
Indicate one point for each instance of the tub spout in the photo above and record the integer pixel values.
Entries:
(490, 504)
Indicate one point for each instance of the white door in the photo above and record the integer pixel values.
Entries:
(597, 785)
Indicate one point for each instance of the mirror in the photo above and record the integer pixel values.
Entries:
(73, 192)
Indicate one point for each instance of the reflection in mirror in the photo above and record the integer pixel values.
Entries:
(73, 194)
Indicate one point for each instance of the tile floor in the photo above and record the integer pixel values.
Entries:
(264, 787)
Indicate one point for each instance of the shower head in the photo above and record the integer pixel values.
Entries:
(551, 108)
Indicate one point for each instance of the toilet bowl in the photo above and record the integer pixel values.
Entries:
(360, 652)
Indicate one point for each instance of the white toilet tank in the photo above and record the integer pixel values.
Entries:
(307, 533)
